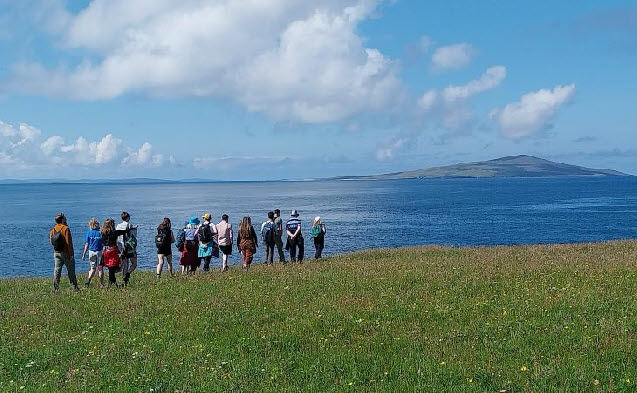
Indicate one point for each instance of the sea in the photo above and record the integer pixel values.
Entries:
(358, 214)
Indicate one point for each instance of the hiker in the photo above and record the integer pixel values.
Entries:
(295, 240)
(127, 245)
(318, 233)
(189, 245)
(207, 246)
(224, 240)
(163, 241)
(111, 254)
(247, 241)
(60, 239)
(278, 234)
(267, 235)
(93, 245)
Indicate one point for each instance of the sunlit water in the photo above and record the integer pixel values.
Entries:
(359, 215)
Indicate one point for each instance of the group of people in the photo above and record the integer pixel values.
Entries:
(114, 247)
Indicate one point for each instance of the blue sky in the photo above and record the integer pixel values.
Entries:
(249, 89)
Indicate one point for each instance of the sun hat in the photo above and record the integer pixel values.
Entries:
(317, 219)
(294, 213)
(193, 221)
(206, 216)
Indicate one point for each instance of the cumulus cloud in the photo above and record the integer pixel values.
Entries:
(24, 149)
(534, 111)
(451, 105)
(291, 60)
(452, 57)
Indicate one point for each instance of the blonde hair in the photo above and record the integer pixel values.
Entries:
(93, 223)
(244, 227)
(317, 221)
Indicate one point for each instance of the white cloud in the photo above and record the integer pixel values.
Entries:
(289, 59)
(490, 79)
(388, 151)
(144, 157)
(534, 111)
(450, 106)
(452, 57)
(23, 149)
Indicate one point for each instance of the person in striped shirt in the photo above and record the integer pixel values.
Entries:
(295, 243)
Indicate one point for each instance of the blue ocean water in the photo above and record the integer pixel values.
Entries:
(358, 214)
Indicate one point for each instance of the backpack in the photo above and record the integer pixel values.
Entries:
(162, 239)
(181, 240)
(130, 242)
(267, 233)
(317, 231)
(58, 242)
(204, 234)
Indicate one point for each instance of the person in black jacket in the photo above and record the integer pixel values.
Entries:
(164, 240)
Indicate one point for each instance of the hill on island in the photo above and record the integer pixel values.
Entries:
(510, 166)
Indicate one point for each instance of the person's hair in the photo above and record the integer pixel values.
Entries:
(93, 223)
(245, 228)
(59, 218)
(317, 222)
(277, 212)
(224, 217)
(125, 216)
(108, 226)
(270, 215)
(165, 224)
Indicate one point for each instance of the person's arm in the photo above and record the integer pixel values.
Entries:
(290, 234)
(324, 228)
(298, 230)
(172, 237)
(254, 236)
(84, 251)
(239, 241)
(231, 234)
(122, 232)
(69, 242)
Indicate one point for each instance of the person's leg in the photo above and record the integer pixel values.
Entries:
(206, 263)
(160, 265)
(69, 261)
(124, 267)
(224, 259)
(269, 253)
(169, 259)
(293, 250)
(279, 246)
(131, 268)
(301, 251)
(57, 270)
(100, 274)
(320, 248)
(112, 278)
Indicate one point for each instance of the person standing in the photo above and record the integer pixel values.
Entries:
(127, 245)
(224, 240)
(295, 243)
(247, 241)
(164, 240)
(111, 253)
(93, 245)
(278, 234)
(189, 260)
(207, 246)
(318, 233)
(63, 253)
(267, 234)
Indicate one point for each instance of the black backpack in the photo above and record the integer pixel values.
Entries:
(162, 239)
(58, 242)
(204, 234)
(181, 240)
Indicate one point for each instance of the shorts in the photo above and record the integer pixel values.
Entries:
(226, 250)
(165, 251)
(95, 260)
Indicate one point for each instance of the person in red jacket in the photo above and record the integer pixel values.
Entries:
(63, 253)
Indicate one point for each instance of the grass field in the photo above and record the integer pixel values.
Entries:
(537, 318)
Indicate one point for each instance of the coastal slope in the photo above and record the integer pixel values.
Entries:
(510, 166)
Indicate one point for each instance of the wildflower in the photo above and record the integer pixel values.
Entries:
(524, 369)
(596, 382)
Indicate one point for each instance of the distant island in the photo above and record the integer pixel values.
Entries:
(510, 166)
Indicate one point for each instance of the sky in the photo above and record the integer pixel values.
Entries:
(288, 89)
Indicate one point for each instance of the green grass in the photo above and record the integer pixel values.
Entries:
(538, 318)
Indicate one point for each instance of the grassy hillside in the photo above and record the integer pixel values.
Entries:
(540, 318)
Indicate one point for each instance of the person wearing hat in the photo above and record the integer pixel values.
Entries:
(63, 253)
(295, 237)
(318, 233)
(207, 246)
(189, 260)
